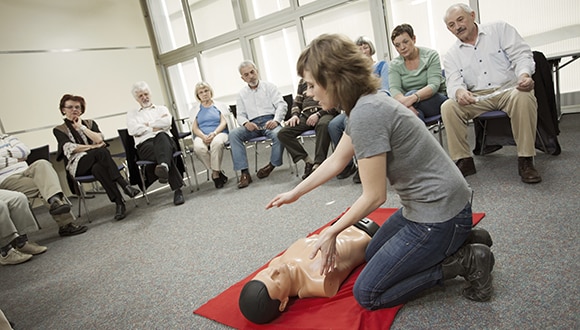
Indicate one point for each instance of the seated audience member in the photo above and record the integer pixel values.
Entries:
(424, 242)
(415, 75)
(150, 125)
(260, 109)
(295, 274)
(380, 68)
(16, 220)
(335, 129)
(84, 150)
(37, 180)
(306, 115)
(486, 59)
(210, 131)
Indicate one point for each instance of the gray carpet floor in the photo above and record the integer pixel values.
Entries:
(151, 270)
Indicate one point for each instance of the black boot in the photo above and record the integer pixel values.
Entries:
(120, 212)
(474, 262)
(479, 235)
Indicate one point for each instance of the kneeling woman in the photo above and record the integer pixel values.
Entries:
(425, 241)
(82, 145)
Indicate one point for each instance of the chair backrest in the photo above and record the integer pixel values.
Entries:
(41, 152)
(128, 143)
(289, 100)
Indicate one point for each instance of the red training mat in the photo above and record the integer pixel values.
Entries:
(338, 312)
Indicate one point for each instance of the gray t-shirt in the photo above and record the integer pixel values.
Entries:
(429, 184)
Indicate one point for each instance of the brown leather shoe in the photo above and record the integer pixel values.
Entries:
(245, 180)
(466, 166)
(265, 171)
(527, 170)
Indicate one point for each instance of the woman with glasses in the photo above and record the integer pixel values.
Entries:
(210, 131)
(83, 147)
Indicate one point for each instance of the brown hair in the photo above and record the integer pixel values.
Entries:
(400, 29)
(338, 65)
(70, 97)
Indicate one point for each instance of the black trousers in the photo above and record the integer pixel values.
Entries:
(99, 163)
(288, 136)
(160, 149)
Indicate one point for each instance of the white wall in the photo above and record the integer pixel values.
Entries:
(93, 48)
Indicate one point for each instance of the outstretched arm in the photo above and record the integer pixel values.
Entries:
(326, 171)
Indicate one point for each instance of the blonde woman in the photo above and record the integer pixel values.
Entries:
(210, 131)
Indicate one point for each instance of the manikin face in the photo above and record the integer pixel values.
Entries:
(204, 94)
(318, 92)
(144, 98)
(72, 110)
(404, 44)
(461, 24)
(366, 49)
(278, 281)
(250, 75)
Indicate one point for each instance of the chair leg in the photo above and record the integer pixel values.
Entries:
(82, 200)
(483, 138)
(30, 203)
(142, 177)
(256, 155)
(188, 175)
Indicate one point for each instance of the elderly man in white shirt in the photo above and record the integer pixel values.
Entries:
(487, 58)
(260, 108)
(150, 125)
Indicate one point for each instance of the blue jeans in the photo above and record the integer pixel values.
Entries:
(404, 258)
(429, 107)
(336, 127)
(239, 135)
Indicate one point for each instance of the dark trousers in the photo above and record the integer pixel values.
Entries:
(101, 165)
(160, 149)
(288, 136)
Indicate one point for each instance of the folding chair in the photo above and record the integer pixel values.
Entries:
(435, 124)
(80, 191)
(137, 167)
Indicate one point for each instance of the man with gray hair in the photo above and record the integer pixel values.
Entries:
(490, 67)
(150, 125)
(260, 108)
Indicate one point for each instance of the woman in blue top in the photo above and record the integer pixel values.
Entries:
(415, 75)
(210, 132)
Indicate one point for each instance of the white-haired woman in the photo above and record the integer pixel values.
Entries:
(210, 131)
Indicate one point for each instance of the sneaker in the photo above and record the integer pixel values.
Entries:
(59, 206)
(71, 229)
(14, 257)
(32, 248)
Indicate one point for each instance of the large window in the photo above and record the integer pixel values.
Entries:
(211, 18)
(255, 9)
(352, 19)
(169, 24)
(183, 77)
(276, 56)
(220, 69)
(426, 18)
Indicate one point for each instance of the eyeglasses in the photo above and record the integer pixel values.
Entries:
(70, 107)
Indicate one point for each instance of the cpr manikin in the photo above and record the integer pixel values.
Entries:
(294, 274)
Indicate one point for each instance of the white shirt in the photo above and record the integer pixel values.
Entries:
(140, 122)
(12, 149)
(499, 56)
(266, 99)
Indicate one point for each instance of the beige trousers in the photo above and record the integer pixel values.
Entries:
(16, 218)
(521, 107)
(38, 180)
(211, 157)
